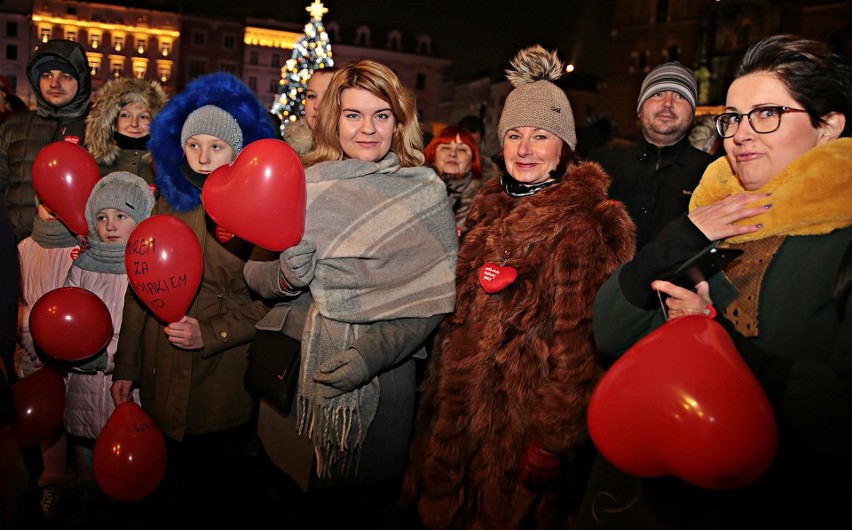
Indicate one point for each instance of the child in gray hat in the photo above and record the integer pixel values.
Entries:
(117, 204)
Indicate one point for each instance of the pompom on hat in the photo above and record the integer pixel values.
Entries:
(214, 121)
(123, 191)
(536, 101)
(671, 76)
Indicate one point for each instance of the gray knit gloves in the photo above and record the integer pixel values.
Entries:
(298, 264)
(343, 373)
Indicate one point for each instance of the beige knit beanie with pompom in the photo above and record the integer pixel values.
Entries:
(536, 101)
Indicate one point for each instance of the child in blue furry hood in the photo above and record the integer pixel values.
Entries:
(190, 372)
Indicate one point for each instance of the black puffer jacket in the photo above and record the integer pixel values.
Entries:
(24, 134)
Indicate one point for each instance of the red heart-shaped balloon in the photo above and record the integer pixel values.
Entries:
(130, 454)
(64, 175)
(494, 278)
(682, 402)
(164, 265)
(260, 197)
(70, 324)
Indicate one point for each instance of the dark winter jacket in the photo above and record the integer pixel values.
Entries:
(654, 183)
(197, 392)
(24, 134)
(518, 365)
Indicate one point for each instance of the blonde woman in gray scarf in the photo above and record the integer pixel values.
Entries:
(372, 278)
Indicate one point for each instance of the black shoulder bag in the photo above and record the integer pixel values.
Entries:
(273, 368)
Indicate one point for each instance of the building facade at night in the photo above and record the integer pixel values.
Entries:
(174, 47)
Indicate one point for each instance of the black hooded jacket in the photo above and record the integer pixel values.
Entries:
(24, 134)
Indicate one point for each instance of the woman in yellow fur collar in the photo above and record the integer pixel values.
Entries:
(783, 194)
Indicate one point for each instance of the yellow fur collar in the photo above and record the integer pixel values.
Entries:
(813, 195)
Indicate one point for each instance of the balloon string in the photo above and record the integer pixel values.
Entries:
(662, 305)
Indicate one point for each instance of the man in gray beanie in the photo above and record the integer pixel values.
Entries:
(655, 176)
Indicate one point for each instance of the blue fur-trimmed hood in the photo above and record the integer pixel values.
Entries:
(220, 89)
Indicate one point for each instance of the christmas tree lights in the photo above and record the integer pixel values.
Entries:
(311, 52)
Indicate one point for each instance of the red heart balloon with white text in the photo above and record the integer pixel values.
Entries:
(682, 402)
(260, 197)
(494, 278)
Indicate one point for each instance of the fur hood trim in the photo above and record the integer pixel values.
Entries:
(299, 136)
(100, 123)
(222, 90)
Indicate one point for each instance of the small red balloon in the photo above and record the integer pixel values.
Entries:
(164, 264)
(682, 402)
(130, 454)
(40, 405)
(260, 197)
(64, 175)
(70, 324)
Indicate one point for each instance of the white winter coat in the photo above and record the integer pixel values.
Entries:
(42, 270)
(88, 402)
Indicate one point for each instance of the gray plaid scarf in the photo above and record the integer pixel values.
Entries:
(386, 249)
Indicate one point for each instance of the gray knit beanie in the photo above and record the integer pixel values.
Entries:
(214, 121)
(535, 100)
(123, 191)
(669, 76)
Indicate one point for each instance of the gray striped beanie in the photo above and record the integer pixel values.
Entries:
(669, 76)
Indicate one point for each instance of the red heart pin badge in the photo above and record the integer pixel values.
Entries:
(494, 278)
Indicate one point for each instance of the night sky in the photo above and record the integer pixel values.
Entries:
(479, 36)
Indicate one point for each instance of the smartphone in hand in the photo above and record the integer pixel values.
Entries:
(703, 265)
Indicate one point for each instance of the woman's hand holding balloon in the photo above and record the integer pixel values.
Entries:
(716, 221)
(682, 302)
(298, 264)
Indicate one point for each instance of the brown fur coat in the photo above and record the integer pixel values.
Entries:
(518, 365)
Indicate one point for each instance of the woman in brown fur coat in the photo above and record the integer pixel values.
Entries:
(504, 406)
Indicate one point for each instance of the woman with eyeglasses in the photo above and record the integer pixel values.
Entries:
(783, 194)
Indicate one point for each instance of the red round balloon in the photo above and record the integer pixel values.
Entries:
(64, 175)
(70, 324)
(40, 405)
(164, 264)
(260, 197)
(130, 454)
(682, 402)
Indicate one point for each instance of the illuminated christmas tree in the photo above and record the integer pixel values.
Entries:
(311, 52)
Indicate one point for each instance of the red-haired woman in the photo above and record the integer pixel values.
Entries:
(454, 155)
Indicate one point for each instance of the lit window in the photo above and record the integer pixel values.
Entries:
(118, 42)
(44, 34)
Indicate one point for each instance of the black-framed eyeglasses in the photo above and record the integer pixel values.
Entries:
(763, 120)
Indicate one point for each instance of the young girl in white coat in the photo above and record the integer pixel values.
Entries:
(118, 203)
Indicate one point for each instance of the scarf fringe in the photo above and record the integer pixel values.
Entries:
(330, 427)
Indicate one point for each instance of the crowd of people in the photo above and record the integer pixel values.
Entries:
(453, 311)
